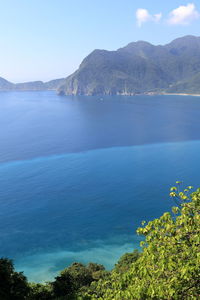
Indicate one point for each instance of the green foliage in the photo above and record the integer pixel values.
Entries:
(126, 260)
(13, 285)
(40, 291)
(72, 282)
(169, 266)
(64, 286)
(97, 271)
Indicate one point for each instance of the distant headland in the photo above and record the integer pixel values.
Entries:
(6, 85)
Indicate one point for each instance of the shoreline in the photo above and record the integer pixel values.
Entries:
(131, 94)
(180, 94)
(102, 95)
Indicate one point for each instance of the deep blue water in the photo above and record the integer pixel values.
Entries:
(79, 174)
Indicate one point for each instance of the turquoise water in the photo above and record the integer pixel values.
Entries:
(59, 206)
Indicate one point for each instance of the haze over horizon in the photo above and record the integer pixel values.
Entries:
(47, 40)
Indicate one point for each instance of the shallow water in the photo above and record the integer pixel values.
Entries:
(78, 175)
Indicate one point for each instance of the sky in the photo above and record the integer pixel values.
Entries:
(48, 39)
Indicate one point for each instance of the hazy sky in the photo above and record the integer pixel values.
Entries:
(47, 39)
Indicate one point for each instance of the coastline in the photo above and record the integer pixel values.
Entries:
(63, 93)
(180, 94)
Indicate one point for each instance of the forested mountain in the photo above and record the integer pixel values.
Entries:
(140, 67)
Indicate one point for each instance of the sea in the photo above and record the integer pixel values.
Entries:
(79, 174)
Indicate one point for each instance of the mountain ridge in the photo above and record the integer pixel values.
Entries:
(6, 85)
(139, 67)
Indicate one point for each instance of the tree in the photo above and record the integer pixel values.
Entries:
(75, 278)
(169, 265)
(126, 261)
(13, 285)
(41, 291)
(63, 286)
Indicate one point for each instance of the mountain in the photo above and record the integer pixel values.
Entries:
(139, 67)
(30, 86)
(5, 84)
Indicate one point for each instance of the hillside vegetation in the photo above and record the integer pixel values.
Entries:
(167, 267)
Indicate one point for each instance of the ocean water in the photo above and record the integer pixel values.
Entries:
(79, 174)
